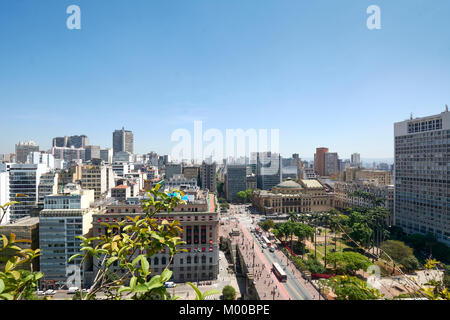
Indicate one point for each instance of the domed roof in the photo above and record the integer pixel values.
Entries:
(289, 184)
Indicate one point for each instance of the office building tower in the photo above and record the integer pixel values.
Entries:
(422, 179)
(106, 155)
(331, 163)
(319, 161)
(81, 141)
(92, 152)
(23, 149)
(64, 217)
(48, 185)
(69, 154)
(24, 180)
(208, 176)
(236, 180)
(97, 178)
(123, 141)
(268, 170)
(355, 160)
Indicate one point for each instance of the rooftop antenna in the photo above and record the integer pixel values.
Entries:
(446, 108)
(411, 117)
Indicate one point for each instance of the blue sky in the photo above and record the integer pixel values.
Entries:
(309, 68)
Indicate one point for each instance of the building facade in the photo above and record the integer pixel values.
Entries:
(289, 196)
(199, 222)
(422, 168)
(123, 140)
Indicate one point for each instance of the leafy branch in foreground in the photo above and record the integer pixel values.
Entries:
(15, 283)
(129, 244)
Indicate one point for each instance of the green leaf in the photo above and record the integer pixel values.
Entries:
(7, 296)
(111, 260)
(2, 286)
(211, 292)
(133, 282)
(123, 289)
(75, 256)
(9, 266)
(136, 260)
(140, 288)
(165, 275)
(5, 241)
(197, 292)
(144, 264)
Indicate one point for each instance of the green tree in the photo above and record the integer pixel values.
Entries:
(400, 254)
(267, 224)
(348, 262)
(229, 293)
(352, 288)
(242, 196)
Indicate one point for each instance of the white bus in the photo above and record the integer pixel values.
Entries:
(266, 241)
(281, 275)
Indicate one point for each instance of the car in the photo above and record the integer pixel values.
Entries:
(40, 293)
(271, 249)
(170, 284)
(264, 246)
(50, 292)
(73, 290)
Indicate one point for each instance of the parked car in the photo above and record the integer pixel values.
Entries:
(73, 290)
(50, 292)
(40, 293)
(170, 284)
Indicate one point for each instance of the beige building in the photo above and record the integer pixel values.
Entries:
(191, 172)
(199, 221)
(379, 176)
(26, 228)
(99, 178)
(290, 196)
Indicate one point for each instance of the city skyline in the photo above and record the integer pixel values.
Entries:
(311, 70)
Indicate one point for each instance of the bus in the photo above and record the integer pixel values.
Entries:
(281, 275)
(266, 241)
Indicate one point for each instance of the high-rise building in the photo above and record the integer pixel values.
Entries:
(48, 185)
(331, 163)
(268, 170)
(208, 176)
(355, 160)
(92, 152)
(23, 149)
(24, 180)
(95, 177)
(123, 141)
(106, 155)
(73, 141)
(69, 154)
(422, 167)
(64, 217)
(319, 161)
(235, 181)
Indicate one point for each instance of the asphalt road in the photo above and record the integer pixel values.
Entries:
(292, 286)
